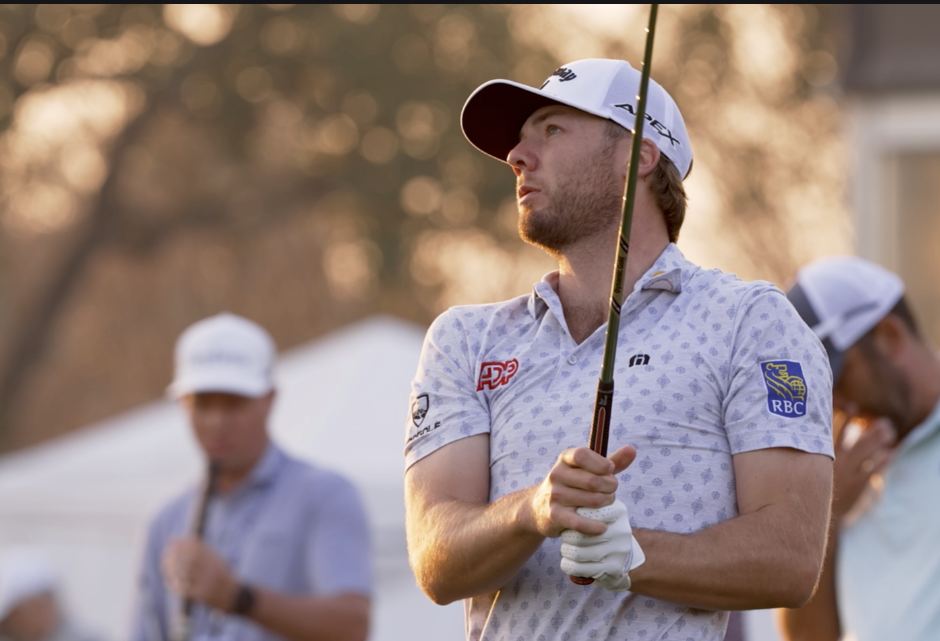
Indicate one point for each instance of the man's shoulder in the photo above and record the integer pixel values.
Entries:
(477, 317)
(719, 287)
(315, 483)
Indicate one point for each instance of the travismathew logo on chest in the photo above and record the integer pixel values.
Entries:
(496, 373)
(786, 388)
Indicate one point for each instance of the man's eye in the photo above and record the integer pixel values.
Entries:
(551, 129)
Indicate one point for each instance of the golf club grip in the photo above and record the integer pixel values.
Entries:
(600, 429)
(199, 528)
(600, 426)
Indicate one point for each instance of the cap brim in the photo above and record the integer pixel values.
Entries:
(220, 383)
(494, 114)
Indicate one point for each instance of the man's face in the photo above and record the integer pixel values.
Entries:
(568, 180)
(230, 429)
(871, 386)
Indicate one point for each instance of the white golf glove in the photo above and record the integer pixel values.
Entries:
(607, 558)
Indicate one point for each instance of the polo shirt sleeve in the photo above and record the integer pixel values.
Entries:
(445, 406)
(779, 380)
(339, 550)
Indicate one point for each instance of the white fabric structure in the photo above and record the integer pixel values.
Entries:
(85, 499)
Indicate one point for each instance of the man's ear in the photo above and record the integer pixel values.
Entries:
(891, 336)
(649, 158)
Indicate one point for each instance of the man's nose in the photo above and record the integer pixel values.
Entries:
(521, 157)
(215, 419)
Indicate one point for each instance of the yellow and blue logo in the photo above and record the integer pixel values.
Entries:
(786, 388)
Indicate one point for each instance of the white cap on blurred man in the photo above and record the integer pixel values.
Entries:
(24, 574)
(842, 298)
(224, 353)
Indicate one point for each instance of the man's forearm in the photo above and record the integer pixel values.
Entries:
(460, 549)
(738, 565)
(343, 617)
(818, 620)
(768, 556)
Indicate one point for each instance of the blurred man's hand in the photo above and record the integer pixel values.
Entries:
(194, 571)
(858, 461)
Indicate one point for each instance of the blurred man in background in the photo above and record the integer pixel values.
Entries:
(881, 578)
(29, 607)
(285, 552)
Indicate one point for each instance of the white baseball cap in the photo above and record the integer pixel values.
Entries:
(494, 114)
(224, 353)
(24, 573)
(842, 298)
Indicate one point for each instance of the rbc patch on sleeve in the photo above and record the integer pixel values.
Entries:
(786, 388)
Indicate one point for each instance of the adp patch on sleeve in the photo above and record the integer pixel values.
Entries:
(786, 388)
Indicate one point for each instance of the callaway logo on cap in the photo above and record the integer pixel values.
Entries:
(494, 114)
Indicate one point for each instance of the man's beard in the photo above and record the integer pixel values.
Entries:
(893, 399)
(582, 204)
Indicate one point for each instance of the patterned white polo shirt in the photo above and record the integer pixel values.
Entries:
(708, 366)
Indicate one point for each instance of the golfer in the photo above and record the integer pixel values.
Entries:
(881, 579)
(716, 494)
(285, 553)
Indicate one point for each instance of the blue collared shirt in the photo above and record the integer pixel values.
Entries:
(289, 527)
(887, 564)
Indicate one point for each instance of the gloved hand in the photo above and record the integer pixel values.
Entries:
(607, 558)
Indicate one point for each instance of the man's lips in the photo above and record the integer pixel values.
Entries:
(523, 191)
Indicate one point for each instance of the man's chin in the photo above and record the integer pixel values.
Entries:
(534, 230)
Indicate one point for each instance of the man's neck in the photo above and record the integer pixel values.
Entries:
(585, 272)
(227, 480)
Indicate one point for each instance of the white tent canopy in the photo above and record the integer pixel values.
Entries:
(85, 498)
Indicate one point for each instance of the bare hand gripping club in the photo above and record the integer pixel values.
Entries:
(600, 426)
(185, 621)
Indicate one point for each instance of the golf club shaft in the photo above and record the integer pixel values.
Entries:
(199, 528)
(600, 425)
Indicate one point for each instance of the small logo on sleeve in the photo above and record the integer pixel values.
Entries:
(419, 409)
(419, 412)
(496, 373)
(786, 388)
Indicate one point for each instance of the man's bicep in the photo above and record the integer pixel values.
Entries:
(458, 471)
(786, 477)
(790, 491)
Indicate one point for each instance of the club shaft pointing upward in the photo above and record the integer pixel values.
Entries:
(600, 425)
(605, 387)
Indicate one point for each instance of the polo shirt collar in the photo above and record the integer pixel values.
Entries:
(669, 273)
(266, 469)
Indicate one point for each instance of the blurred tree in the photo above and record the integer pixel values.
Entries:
(303, 165)
(161, 163)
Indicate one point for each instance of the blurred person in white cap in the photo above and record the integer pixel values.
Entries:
(30, 609)
(716, 494)
(881, 578)
(285, 551)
